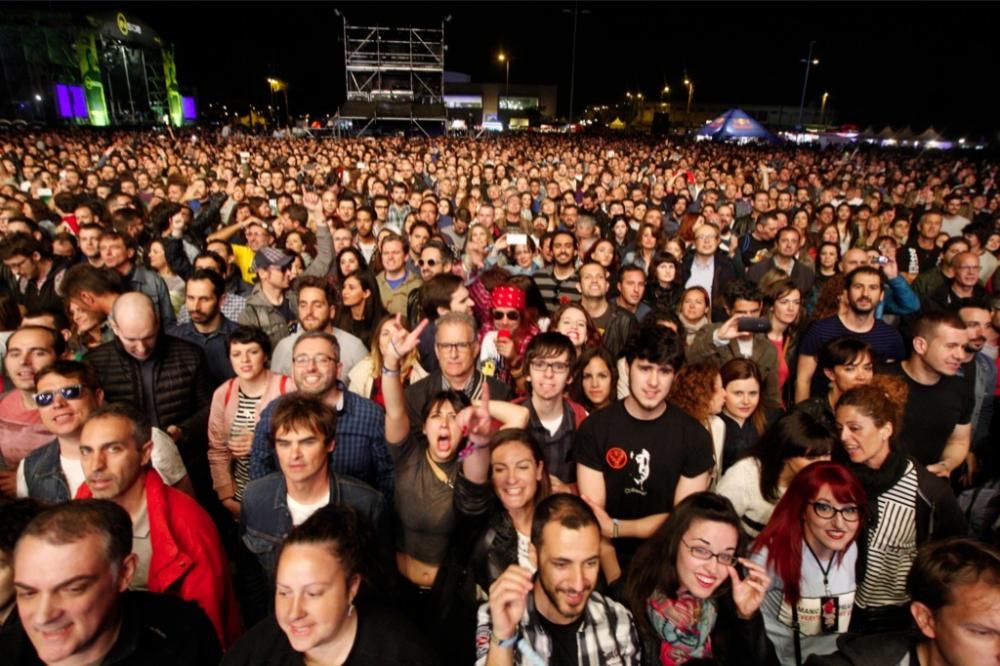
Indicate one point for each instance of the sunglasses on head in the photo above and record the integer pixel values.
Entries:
(512, 315)
(45, 398)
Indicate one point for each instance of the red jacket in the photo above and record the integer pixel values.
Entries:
(188, 560)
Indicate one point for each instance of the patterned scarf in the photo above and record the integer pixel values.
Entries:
(684, 626)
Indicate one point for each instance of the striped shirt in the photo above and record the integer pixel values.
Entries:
(892, 545)
(555, 291)
(243, 422)
(606, 637)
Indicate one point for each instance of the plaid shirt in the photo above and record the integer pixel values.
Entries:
(360, 452)
(232, 308)
(606, 637)
(396, 217)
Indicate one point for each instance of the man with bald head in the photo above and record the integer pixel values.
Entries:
(164, 377)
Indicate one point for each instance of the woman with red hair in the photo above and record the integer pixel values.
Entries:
(505, 336)
(809, 548)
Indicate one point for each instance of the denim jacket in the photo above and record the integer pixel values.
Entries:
(265, 519)
(44, 476)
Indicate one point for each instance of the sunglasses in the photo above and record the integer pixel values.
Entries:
(428, 262)
(513, 315)
(71, 392)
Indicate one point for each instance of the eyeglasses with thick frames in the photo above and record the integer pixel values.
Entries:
(850, 514)
(558, 367)
(45, 398)
(704, 554)
(450, 347)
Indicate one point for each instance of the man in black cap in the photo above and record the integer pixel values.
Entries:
(269, 307)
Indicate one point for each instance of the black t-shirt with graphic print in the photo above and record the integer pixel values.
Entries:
(641, 461)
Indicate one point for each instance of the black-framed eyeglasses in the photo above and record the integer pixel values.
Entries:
(558, 367)
(511, 315)
(704, 554)
(45, 398)
(446, 347)
(427, 262)
(850, 514)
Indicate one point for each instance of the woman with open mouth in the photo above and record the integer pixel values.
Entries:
(688, 599)
(426, 470)
(809, 547)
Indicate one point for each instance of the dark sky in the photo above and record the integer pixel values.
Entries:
(899, 63)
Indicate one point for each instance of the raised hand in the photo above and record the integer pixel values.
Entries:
(475, 420)
(396, 342)
(311, 201)
(748, 594)
(508, 597)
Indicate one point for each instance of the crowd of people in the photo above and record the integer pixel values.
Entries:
(520, 400)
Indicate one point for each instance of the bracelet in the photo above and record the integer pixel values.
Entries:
(503, 643)
(390, 372)
(615, 526)
(471, 448)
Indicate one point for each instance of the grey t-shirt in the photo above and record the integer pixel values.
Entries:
(424, 504)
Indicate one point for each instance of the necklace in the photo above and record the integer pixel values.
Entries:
(825, 572)
(438, 472)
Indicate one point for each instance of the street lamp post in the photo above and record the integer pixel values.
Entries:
(809, 61)
(690, 86)
(822, 108)
(505, 59)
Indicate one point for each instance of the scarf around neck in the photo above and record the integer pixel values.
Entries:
(684, 626)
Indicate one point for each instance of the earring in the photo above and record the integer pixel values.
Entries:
(350, 610)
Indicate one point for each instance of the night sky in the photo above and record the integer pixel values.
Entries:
(902, 64)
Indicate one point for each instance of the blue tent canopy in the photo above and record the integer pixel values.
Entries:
(735, 124)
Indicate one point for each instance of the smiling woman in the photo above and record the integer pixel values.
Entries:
(325, 570)
(683, 588)
(809, 548)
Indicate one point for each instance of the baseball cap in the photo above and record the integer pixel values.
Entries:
(267, 257)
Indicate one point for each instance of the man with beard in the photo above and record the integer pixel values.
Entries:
(177, 547)
(556, 616)
(364, 221)
(208, 327)
(863, 289)
(316, 304)
(559, 282)
(980, 371)
(361, 450)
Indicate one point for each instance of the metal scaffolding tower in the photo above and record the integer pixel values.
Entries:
(393, 74)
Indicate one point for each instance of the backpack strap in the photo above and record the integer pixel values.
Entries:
(229, 391)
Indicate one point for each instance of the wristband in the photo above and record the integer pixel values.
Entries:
(503, 643)
(390, 372)
(615, 526)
